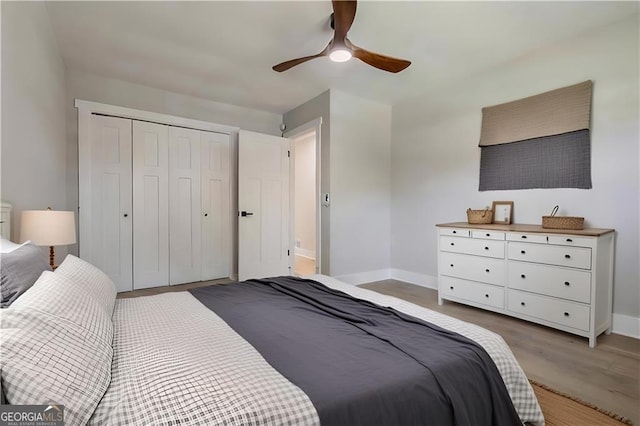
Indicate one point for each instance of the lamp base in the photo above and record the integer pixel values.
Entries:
(52, 258)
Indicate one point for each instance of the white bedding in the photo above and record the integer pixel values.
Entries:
(175, 360)
(168, 359)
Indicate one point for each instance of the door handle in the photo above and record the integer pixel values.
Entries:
(245, 214)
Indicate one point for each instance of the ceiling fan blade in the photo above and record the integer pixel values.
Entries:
(293, 62)
(385, 63)
(344, 11)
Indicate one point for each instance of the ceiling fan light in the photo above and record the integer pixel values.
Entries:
(340, 55)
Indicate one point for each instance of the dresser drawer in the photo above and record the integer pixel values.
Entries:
(561, 312)
(575, 257)
(474, 292)
(570, 240)
(570, 284)
(529, 238)
(487, 248)
(454, 232)
(488, 235)
(486, 270)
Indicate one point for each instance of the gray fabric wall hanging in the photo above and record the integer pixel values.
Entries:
(542, 141)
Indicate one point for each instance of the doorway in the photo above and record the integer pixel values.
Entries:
(305, 201)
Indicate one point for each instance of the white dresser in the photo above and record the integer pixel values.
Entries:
(559, 278)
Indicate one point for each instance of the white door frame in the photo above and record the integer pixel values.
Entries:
(292, 134)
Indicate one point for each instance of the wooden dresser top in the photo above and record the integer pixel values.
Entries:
(521, 227)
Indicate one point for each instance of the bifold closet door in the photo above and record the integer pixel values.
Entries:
(108, 215)
(216, 213)
(185, 260)
(150, 205)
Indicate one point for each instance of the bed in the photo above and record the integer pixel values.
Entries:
(243, 354)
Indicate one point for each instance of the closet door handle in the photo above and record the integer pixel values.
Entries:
(126, 215)
(206, 214)
(245, 214)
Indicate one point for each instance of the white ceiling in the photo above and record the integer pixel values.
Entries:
(224, 51)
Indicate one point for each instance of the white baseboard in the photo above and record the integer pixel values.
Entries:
(626, 325)
(390, 274)
(365, 277)
(309, 254)
(414, 278)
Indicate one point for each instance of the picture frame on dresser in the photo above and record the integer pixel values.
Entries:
(502, 212)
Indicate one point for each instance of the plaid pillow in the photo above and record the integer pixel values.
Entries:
(91, 279)
(55, 347)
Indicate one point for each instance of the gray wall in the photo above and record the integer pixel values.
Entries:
(435, 157)
(361, 182)
(34, 159)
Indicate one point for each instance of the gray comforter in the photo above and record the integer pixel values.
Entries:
(361, 363)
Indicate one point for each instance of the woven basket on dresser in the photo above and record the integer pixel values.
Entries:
(479, 216)
(562, 222)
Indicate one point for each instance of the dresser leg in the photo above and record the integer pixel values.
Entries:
(592, 342)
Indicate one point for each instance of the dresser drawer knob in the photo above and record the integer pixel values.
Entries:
(486, 248)
(523, 276)
(488, 235)
(567, 256)
(451, 287)
(522, 252)
(567, 283)
(524, 237)
(454, 232)
(452, 244)
(486, 270)
(522, 303)
(566, 314)
(486, 295)
(569, 240)
(451, 265)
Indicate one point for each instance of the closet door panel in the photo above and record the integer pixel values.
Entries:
(216, 217)
(109, 216)
(150, 205)
(185, 206)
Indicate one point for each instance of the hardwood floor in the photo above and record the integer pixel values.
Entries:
(304, 266)
(607, 375)
(171, 288)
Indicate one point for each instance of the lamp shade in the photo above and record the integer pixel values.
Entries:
(48, 227)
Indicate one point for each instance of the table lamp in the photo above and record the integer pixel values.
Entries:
(48, 228)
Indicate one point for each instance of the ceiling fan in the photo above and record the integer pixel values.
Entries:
(340, 48)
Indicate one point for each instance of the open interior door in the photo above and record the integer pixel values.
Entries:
(263, 204)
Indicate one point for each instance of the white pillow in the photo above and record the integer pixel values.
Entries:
(90, 279)
(7, 246)
(56, 296)
(55, 347)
